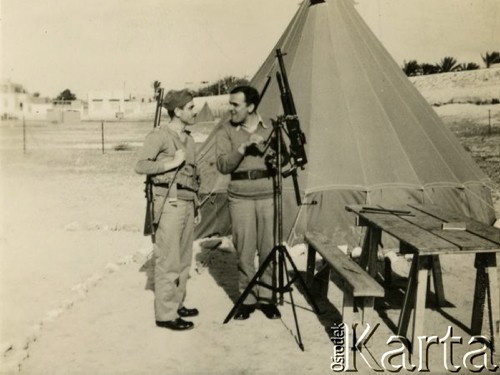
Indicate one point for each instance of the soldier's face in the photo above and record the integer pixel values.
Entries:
(187, 114)
(239, 109)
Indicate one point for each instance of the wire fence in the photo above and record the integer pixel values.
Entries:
(101, 136)
(481, 139)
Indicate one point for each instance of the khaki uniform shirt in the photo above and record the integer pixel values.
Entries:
(229, 137)
(161, 144)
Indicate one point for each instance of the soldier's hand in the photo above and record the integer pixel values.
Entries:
(255, 138)
(243, 147)
(197, 217)
(179, 156)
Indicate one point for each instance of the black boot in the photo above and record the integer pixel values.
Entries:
(178, 324)
(186, 313)
(244, 312)
(270, 311)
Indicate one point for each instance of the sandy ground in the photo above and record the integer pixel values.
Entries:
(76, 297)
(75, 286)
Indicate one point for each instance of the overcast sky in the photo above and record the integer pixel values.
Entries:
(83, 45)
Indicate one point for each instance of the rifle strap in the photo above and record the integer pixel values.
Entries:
(171, 195)
(173, 199)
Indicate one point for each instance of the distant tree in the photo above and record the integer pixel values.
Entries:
(156, 87)
(411, 68)
(447, 64)
(429, 68)
(491, 58)
(468, 66)
(221, 86)
(66, 95)
(36, 94)
(230, 82)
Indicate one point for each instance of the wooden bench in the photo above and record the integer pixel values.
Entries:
(355, 282)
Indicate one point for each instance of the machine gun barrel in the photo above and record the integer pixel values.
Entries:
(286, 93)
(297, 137)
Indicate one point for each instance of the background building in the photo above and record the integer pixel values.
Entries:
(13, 99)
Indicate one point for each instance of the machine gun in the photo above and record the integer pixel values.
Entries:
(295, 134)
(297, 138)
(278, 256)
(149, 221)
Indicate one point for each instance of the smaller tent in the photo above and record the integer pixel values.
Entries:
(205, 114)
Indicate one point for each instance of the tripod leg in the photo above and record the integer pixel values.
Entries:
(274, 295)
(302, 283)
(299, 338)
(281, 279)
(251, 284)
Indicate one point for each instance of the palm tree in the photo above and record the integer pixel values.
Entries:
(447, 64)
(411, 68)
(491, 58)
(156, 87)
(429, 68)
(222, 86)
(468, 66)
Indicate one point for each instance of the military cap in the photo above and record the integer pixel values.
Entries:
(177, 99)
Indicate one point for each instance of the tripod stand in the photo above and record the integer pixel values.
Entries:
(279, 254)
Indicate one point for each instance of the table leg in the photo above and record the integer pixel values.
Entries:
(479, 299)
(369, 252)
(365, 249)
(323, 279)
(409, 301)
(415, 298)
(421, 293)
(437, 279)
(348, 309)
(311, 263)
(368, 307)
(494, 306)
(486, 292)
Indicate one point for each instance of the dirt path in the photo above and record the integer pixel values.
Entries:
(74, 297)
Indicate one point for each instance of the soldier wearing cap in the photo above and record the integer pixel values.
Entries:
(168, 155)
(250, 194)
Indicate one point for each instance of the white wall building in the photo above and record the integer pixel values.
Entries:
(66, 111)
(13, 100)
(106, 104)
(17, 103)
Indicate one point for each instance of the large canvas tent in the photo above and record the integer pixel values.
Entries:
(371, 137)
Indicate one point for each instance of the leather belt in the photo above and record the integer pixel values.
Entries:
(253, 174)
(179, 186)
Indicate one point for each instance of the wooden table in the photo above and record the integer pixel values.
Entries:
(419, 229)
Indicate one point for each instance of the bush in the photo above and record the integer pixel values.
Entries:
(122, 147)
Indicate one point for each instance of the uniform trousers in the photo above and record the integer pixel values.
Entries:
(173, 251)
(253, 230)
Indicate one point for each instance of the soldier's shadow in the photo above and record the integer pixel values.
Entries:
(223, 267)
(149, 269)
(221, 264)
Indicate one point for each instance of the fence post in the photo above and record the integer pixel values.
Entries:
(102, 136)
(489, 122)
(24, 135)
